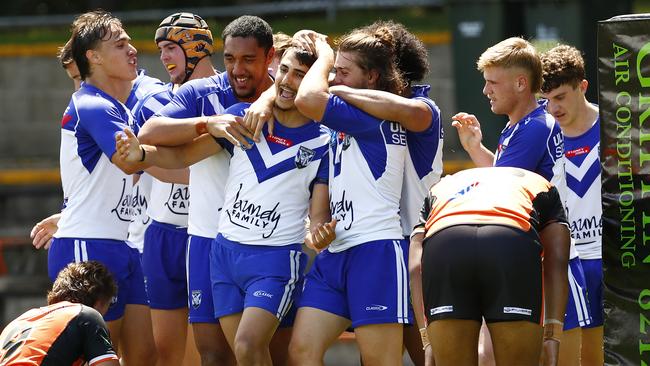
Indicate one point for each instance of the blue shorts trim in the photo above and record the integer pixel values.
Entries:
(200, 302)
(367, 284)
(577, 311)
(163, 263)
(122, 261)
(267, 277)
(593, 270)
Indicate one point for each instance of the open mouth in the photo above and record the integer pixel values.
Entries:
(287, 93)
(170, 67)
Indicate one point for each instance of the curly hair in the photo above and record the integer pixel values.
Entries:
(250, 26)
(562, 64)
(514, 52)
(84, 283)
(375, 50)
(412, 57)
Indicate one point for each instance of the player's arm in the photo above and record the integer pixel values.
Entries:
(412, 114)
(321, 225)
(130, 151)
(415, 275)
(555, 239)
(470, 135)
(96, 343)
(313, 93)
(177, 176)
(167, 131)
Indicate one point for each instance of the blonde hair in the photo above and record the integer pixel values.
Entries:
(514, 52)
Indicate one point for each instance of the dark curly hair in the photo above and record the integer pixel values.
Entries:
(562, 64)
(375, 50)
(411, 54)
(250, 26)
(84, 283)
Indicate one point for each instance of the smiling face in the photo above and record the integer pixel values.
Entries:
(173, 59)
(247, 66)
(501, 88)
(287, 80)
(348, 72)
(116, 56)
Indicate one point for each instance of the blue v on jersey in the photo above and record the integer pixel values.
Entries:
(584, 191)
(367, 158)
(95, 190)
(204, 97)
(269, 185)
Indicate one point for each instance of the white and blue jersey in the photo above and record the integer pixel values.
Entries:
(534, 143)
(98, 195)
(269, 185)
(367, 158)
(204, 97)
(584, 191)
(423, 162)
(148, 95)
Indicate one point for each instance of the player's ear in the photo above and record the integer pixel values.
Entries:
(93, 57)
(521, 83)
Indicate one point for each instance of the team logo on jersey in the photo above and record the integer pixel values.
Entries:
(346, 142)
(248, 215)
(178, 200)
(343, 211)
(124, 207)
(196, 298)
(304, 156)
(140, 206)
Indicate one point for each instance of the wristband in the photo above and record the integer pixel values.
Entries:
(552, 321)
(553, 331)
(202, 127)
(144, 153)
(425, 338)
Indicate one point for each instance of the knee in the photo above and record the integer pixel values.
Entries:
(249, 348)
(301, 352)
(214, 353)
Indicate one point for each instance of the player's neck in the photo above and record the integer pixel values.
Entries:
(116, 88)
(203, 69)
(290, 117)
(268, 81)
(586, 115)
(522, 109)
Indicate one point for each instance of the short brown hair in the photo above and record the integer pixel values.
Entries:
(64, 54)
(281, 42)
(514, 52)
(562, 64)
(375, 51)
(83, 283)
(88, 30)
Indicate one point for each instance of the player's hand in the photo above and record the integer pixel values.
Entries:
(43, 231)
(550, 352)
(469, 130)
(259, 113)
(320, 236)
(307, 40)
(231, 128)
(128, 147)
